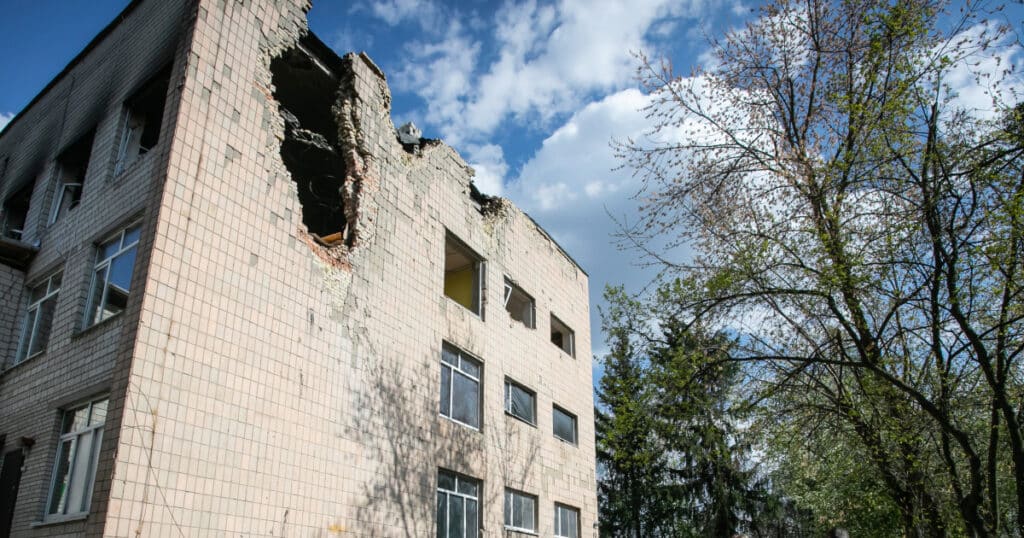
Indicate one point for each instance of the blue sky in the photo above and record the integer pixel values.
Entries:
(531, 93)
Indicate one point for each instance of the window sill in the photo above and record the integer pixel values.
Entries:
(464, 307)
(567, 442)
(524, 421)
(460, 423)
(95, 326)
(57, 520)
(26, 360)
(521, 531)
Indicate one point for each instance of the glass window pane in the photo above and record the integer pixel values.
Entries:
(442, 515)
(37, 293)
(131, 235)
(466, 401)
(78, 482)
(456, 517)
(44, 321)
(99, 413)
(449, 356)
(55, 282)
(96, 299)
(508, 507)
(472, 519)
(61, 474)
(528, 513)
(470, 366)
(76, 420)
(564, 425)
(446, 390)
(121, 270)
(27, 330)
(522, 404)
(107, 250)
(467, 487)
(446, 481)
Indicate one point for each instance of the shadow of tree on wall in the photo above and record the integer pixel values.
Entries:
(405, 442)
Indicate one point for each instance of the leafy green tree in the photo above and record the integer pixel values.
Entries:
(863, 233)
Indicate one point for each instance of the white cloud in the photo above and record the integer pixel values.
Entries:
(990, 77)
(394, 12)
(5, 118)
(551, 57)
(489, 163)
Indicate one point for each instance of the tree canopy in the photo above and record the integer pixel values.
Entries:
(857, 226)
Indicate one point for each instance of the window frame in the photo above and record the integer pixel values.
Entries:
(555, 408)
(509, 383)
(479, 290)
(456, 369)
(464, 496)
(65, 180)
(568, 331)
(512, 288)
(91, 317)
(510, 497)
(24, 350)
(95, 433)
(557, 531)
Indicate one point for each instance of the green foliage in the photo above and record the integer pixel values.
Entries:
(862, 236)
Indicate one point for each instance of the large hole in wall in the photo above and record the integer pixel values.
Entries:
(306, 91)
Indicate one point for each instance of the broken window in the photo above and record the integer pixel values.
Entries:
(16, 212)
(71, 167)
(307, 90)
(463, 274)
(143, 115)
(519, 304)
(562, 336)
(112, 278)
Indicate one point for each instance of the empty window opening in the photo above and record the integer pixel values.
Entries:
(16, 212)
(143, 115)
(562, 336)
(519, 304)
(71, 168)
(307, 91)
(463, 274)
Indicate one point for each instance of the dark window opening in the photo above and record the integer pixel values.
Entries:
(519, 304)
(16, 212)
(143, 115)
(562, 336)
(307, 91)
(463, 274)
(71, 168)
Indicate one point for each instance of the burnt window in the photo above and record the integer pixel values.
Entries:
(562, 336)
(463, 274)
(143, 115)
(519, 304)
(71, 168)
(16, 212)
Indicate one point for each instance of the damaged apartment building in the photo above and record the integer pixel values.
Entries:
(239, 302)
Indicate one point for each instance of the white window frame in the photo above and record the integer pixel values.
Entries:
(469, 529)
(511, 497)
(508, 401)
(451, 370)
(511, 287)
(559, 532)
(569, 333)
(575, 425)
(30, 324)
(94, 431)
(91, 310)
